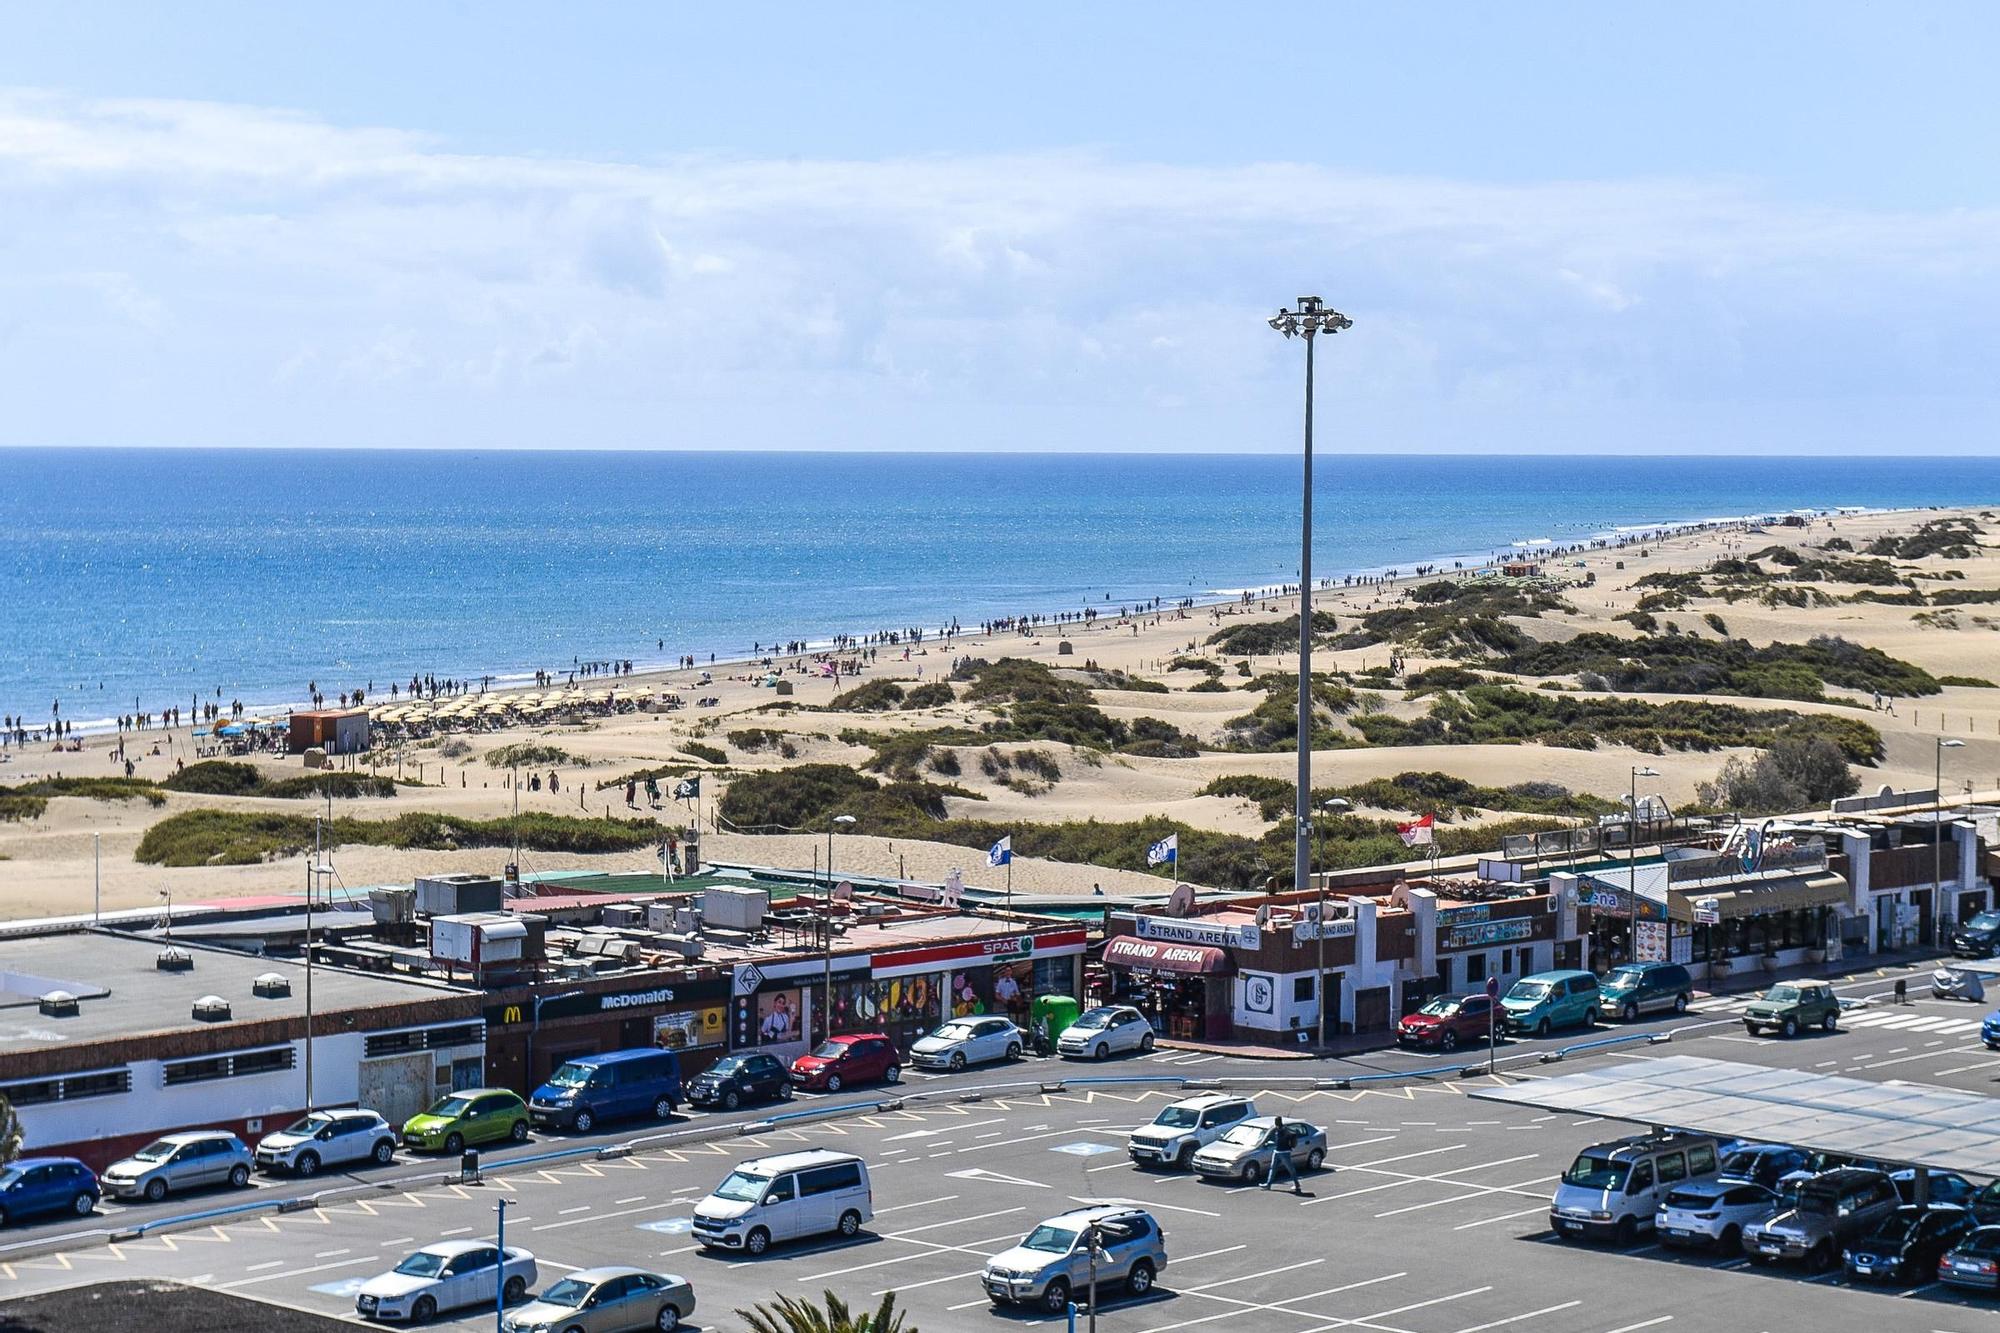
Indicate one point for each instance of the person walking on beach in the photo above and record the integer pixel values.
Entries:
(555, 783)
(631, 793)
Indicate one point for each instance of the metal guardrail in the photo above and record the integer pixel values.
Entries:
(1622, 1039)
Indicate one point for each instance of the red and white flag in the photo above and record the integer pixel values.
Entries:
(1417, 833)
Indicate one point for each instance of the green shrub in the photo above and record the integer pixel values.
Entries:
(753, 739)
(705, 752)
(875, 696)
(1261, 638)
(242, 837)
(1716, 623)
(1975, 682)
(534, 754)
(930, 694)
(228, 777)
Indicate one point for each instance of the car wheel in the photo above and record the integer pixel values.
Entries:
(893, 1074)
(1731, 1240)
(1146, 1042)
(1790, 1028)
(423, 1311)
(669, 1319)
(1248, 1175)
(1627, 1231)
(958, 1062)
(454, 1144)
(1102, 1051)
(1315, 1159)
(1013, 1050)
(1140, 1280)
(239, 1176)
(1056, 1298)
(850, 1223)
(1631, 1012)
(833, 1083)
(519, 1131)
(785, 1091)
(156, 1190)
(731, 1100)
(758, 1241)
(1449, 1041)
(584, 1122)
(3, 1217)
(1831, 1022)
(1680, 1004)
(307, 1164)
(1750, 1028)
(82, 1204)
(516, 1288)
(1542, 1028)
(1592, 1017)
(663, 1108)
(1822, 1257)
(1184, 1157)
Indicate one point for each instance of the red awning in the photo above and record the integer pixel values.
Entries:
(1162, 956)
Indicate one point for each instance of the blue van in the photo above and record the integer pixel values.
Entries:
(591, 1088)
(1551, 1000)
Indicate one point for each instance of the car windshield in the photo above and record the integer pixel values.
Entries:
(728, 1064)
(1896, 1227)
(1782, 994)
(311, 1124)
(1245, 1136)
(1593, 1172)
(830, 1050)
(422, 1264)
(451, 1106)
(1741, 1163)
(1177, 1117)
(1986, 1240)
(1095, 1018)
(568, 1293)
(1056, 1240)
(953, 1032)
(156, 1151)
(1442, 1007)
(1622, 980)
(742, 1187)
(1528, 990)
(1985, 921)
(8, 1175)
(570, 1076)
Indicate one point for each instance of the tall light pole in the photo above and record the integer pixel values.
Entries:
(1937, 824)
(1312, 318)
(1632, 864)
(826, 924)
(1335, 806)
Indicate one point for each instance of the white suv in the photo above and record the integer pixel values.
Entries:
(327, 1138)
(1185, 1127)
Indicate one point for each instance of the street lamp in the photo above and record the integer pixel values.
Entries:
(1632, 864)
(535, 1029)
(1337, 805)
(1312, 318)
(826, 924)
(1937, 823)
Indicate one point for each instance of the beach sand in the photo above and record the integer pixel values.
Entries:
(47, 865)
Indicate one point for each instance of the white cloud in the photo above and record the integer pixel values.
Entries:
(259, 276)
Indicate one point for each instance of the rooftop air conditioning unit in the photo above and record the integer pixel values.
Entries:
(171, 959)
(211, 1009)
(392, 906)
(272, 985)
(735, 909)
(687, 946)
(659, 917)
(624, 915)
(58, 1004)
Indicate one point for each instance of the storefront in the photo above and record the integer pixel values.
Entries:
(1504, 940)
(1762, 924)
(779, 1007)
(525, 1042)
(1186, 990)
(908, 992)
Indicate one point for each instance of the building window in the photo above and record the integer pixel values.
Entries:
(242, 1064)
(261, 1062)
(423, 1039)
(1475, 970)
(194, 1071)
(107, 1084)
(1302, 990)
(32, 1094)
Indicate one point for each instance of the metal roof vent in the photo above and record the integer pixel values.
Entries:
(58, 1004)
(272, 985)
(211, 1009)
(171, 959)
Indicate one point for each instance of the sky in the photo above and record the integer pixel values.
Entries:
(1652, 227)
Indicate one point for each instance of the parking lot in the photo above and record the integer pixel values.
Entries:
(1431, 1219)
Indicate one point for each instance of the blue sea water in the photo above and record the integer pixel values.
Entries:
(156, 574)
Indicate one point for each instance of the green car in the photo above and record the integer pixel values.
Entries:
(1792, 1005)
(477, 1115)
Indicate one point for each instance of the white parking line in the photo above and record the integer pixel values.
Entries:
(1517, 1318)
(1367, 1320)
(1644, 1323)
(1283, 1306)
(920, 1203)
(1504, 1217)
(299, 1272)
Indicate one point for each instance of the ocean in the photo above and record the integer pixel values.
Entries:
(155, 575)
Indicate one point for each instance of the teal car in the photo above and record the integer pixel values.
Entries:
(1539, 1004)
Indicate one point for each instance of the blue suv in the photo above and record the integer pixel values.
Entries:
(1989, 1031)
(33, 1186)
(591, 1088)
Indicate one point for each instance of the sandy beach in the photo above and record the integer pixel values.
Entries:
(46, 863)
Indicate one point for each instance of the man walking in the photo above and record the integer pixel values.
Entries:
(1281, 1157)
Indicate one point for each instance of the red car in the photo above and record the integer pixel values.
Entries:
(858, 1057)
(1446, 1022)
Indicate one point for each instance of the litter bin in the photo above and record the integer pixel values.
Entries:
(468, 1167)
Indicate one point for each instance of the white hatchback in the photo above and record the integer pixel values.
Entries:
(967, 1041)
(1105, 1031)
(1713, 1212)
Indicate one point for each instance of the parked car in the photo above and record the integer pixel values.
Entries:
(1945, 1187)
(1909, 1243)
(590, 1088)
(1974, 1262)
(1547, 1000)
(1185, 1126)
(1448, 1020)
(1246, 1150)
(445, 1276)
(1105, 1031)
(463, 1119)
(613, 1299)
(1989, 1031)
(1977, 938)
(861, 1057)
(1763, 1164)
(785, 1197)
(1791, 1006)
(1713, 1213)
(1614, 1190)
(967, 1041)
(736, 1079)
(34, 1186)
(1632, 989)
(1054, 1260)
(1831, 1210)
(173, 1163)
(327, 1138)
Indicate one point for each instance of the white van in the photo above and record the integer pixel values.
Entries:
(783, 1198)
(1613, 1191)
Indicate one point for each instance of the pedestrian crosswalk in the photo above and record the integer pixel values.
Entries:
(1890, 1018)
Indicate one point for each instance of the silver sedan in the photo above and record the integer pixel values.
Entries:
(1246, 1151)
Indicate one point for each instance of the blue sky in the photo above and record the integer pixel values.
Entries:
(1654, 227)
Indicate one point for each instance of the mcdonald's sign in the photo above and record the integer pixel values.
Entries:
(511, 1014)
